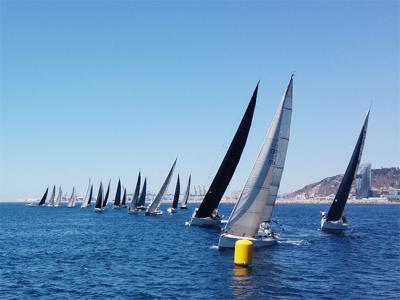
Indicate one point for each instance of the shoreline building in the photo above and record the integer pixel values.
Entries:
(363, 181)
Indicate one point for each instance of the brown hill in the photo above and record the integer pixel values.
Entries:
(381, 181)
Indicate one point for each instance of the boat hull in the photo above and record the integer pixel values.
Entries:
(206, 222)
(156, 213)
(333, 225)
(98, 210)
(228, 241)
(171, 210)
(133, 211)
(183, 207)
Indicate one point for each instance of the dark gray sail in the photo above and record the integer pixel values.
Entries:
(135, 196)
(43, 200)
(107, 194)
(90, 194)
(99, 201)
(228, 166)
(176, 195)
(142, 198)
(117, 199)
(336, 210)
(124, 198)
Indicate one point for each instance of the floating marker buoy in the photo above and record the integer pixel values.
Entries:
(243, 253)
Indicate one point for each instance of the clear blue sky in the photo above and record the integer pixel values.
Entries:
(105, 89)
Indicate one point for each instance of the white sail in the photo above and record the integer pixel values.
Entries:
(86, 199)
(258, 197)
(53, 195)
(57, 202)
(156, 202)
(72, 199)
(186, 195)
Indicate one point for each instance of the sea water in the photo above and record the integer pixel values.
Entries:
(64, 253)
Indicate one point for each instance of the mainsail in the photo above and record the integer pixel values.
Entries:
(186, 195)
(228, 166)
(258, 197)
(135, 194)
(156, 202)
(43, 200)
(90, 194)
(117, 199)
(53, 195)
(176, 195)
(336, 210)
(142, 197)
(124, 198)
(107, 194)
(99, 201)
(59, 196)
(72, 199)
(86, 200)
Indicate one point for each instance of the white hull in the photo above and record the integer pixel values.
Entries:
(228, 241)
(99, 210)
(156, 213)
(333, 225)
(183, 207)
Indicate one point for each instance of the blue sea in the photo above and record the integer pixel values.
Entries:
(49, 253)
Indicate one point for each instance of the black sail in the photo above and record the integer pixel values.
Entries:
(186, 195)
(228, 166)
(107, 194)
(135, 197)
(142, 198)
(90, 194)
(118, 194)
(177, 192)
(43, 200)
(99, 201)
(124, 198)
(336, 210)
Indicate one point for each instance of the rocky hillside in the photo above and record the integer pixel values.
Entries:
(381, 181)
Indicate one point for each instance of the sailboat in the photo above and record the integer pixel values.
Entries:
(106, 196)
(172, 209)
(207, 214)
(154, 209)
(72, 199)
(117, 200)
(123, 203)
(43, 200)
(334, 219)
(88, 196)
(251, 216)
(53, 195)
(99, 201)
(133, 207)
(186, 195)
(142, 198)
(57, 202)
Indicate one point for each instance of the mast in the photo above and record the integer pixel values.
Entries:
(142, 198)
(336, 210)
(135, 196)
(117, 199)
(99, 201)
(107, 194)
(228, 166)
(43, 200)
(177, 192)
(258, 196)
(157, 200)
(187, 192)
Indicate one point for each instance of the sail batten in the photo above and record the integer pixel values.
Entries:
(228, 166)
(336, 210)
(258, 196)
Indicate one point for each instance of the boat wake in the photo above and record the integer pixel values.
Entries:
(294, 242)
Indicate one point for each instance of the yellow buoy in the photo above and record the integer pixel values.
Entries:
(243, 253)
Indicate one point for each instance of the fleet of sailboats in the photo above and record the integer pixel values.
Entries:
(251, 217)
